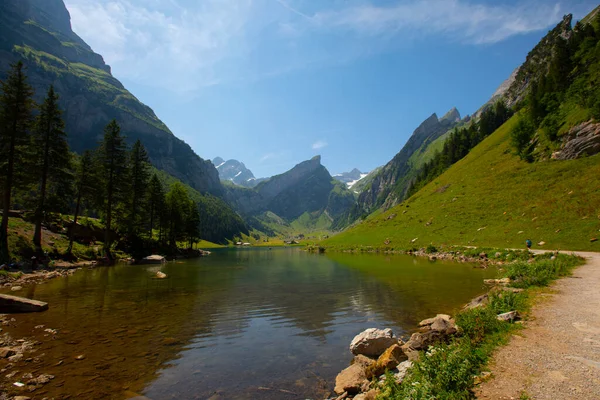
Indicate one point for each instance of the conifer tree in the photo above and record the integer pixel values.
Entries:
(16, 105)
(86, 182)
(192, 223)
(139, 175)
(112, 156)
(177, 202)
(156, 203)
(50, 161)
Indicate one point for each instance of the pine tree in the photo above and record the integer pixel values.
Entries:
(16, 105)
(86, 183)
(139, 175)
(177, 202)
(192, 223)
(50, 162)
(156, 203)
(112, 156)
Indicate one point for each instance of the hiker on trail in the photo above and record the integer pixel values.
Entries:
(528, 243)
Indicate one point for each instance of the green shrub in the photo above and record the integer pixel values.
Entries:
(503, 302)
(431, 249)
(542, 271)
(476, 323)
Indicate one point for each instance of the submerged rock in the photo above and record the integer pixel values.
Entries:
(161, 275)
(373, 342)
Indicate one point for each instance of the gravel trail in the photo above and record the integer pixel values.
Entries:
(557, 355)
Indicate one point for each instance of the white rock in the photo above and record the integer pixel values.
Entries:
(373, 342)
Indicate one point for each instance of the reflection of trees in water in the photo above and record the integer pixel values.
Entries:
(405, 289)
(132, 327)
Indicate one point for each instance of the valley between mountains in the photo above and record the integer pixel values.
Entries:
(223, 284)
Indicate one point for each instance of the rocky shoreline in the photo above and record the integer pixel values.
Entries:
(378, 351)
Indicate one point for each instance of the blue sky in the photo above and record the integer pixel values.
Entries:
(274, 82)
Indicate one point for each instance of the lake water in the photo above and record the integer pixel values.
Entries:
(239, 324)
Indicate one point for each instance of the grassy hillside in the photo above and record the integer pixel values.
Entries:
(493, 198)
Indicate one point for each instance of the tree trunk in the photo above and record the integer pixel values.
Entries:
(109, 200)
(39, 213)
(72, 234)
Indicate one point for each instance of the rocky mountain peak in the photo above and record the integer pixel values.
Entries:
(218, 161)
(451, 116)
(234, 171)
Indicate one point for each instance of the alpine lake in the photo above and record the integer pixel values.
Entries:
(239, 324)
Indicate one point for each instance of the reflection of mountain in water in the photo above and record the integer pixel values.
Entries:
(233, 322)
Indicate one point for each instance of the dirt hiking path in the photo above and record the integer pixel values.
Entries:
(557, 356)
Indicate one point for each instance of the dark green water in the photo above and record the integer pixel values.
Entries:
(240, 324)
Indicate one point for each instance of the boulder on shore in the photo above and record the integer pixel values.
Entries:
(433, 330)
(351, 379)
(15, 304)
(477, 302)
(373, 342)
(387, 361)
(508, 316)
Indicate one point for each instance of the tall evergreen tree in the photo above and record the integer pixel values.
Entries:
(50, 161)
(139, 175)
(177, 202)
(112, 156)
(16, 105)
(156, 203)
(86, 183)
(192, 224)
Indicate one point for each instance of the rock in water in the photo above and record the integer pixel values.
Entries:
(373, 342)
(153, 259)
(161, 275)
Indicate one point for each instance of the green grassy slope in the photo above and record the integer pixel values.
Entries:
(493, 198)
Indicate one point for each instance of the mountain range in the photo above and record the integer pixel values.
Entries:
(307, 190)
(305, 197)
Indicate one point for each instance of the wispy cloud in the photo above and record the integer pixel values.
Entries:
(183, 48)
(268, 156)
(319, 144)
(462, 20)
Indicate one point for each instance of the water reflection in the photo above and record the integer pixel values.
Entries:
(238, 324)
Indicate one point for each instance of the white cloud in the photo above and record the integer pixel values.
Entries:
(461, 19)
(183, 47)
(319, 144)
(160, 43)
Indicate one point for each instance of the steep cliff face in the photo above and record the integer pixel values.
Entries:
(536, 63)
(306, 188)
(39, 33)
(391, 182)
